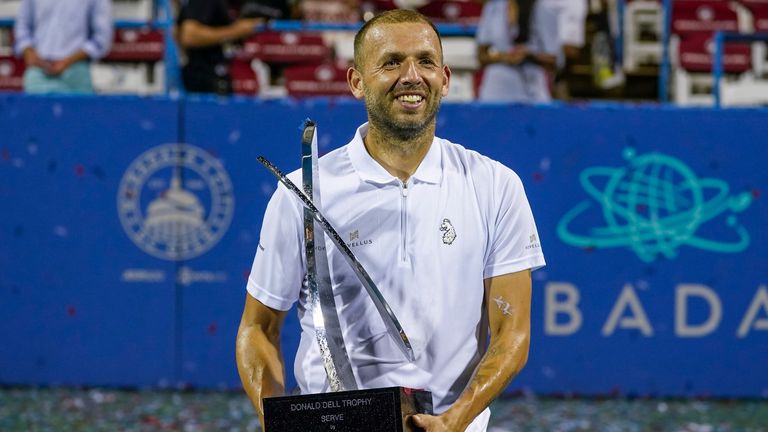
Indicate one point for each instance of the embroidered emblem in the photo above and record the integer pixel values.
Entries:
(354, 235)
(449, 234)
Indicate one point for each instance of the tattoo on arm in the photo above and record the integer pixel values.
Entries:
(503, 305)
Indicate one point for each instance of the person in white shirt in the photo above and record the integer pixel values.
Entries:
(446, 234)
(518, 47)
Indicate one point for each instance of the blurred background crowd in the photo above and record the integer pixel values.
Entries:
(499, 50)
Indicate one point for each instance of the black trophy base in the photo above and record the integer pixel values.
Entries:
(374, 410)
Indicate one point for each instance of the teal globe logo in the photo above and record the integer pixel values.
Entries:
(653, 206)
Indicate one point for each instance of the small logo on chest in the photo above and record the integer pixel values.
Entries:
(449, 233)
(355, 241)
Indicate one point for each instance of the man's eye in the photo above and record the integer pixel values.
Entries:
(391, 63)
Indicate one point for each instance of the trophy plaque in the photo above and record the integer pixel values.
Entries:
(344, 408)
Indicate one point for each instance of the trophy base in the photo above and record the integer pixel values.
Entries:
(374, 410)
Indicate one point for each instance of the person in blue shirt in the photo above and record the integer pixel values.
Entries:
(58, 38)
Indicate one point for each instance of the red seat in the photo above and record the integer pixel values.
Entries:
(453, 11)
(696, 54)
(340, 11)
(11, 73)
(759, 10)
(244, 80)
(316, 80)
(137, 45)
(285, 47)
(703, 16)
(383, 5)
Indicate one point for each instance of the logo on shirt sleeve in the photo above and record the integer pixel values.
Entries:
(533, 242)
(449, 233)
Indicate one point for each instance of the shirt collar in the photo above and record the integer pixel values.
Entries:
(429, 171)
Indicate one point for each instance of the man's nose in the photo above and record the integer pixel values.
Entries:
(411, 73)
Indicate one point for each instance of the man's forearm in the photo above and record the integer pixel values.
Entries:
(500, 364)
(260, 365)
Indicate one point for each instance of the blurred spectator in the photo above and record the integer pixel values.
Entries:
(207, 28)
(571, 22)
(518, 46)
(58, 38)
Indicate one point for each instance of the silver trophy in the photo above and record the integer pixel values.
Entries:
(337, 410)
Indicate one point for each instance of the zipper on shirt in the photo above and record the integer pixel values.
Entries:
(403, 221)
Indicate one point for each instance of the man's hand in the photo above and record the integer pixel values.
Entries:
(32, 59)
(430, 423)
(518, 54)
(57, 67)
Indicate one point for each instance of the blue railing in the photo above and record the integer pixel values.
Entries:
(717, 62)
(666, 30)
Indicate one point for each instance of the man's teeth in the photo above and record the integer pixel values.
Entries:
(410, 98)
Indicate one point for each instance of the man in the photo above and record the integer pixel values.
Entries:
(446, 234)
(518, 46)
(58, 38)
(206, 26)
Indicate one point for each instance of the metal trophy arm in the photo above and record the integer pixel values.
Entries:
(325, 315)
(393, 325)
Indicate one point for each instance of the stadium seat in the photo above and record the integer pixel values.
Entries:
(137, 45)
(285, 48)
(694, 23)
(642, 33)
(453, 11)
(135, 10)
(316, 80)
(244, 78)
(11, 73)
(703, 16)
(143, 78)
(339, 11)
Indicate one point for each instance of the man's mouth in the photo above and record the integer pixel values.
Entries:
(410, 98)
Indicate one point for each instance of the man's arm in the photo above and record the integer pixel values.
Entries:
(508, 299)
(259, 360)
(194, 34)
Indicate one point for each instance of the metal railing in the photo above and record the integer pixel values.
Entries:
(719, 52)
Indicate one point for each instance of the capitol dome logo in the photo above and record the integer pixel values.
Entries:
(175, 201)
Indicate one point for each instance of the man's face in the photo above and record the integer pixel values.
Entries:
(401, 77)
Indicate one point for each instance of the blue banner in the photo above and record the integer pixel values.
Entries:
(129, 226)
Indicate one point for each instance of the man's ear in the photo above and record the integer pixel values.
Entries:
(355, 81)
(446, 80)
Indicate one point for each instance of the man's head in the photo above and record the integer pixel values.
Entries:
(399, 71)
(397, 16)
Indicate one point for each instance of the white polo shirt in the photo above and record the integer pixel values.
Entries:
(427, 244)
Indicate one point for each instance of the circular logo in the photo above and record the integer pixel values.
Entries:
(175, 201)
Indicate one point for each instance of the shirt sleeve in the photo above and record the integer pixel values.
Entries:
(515, 244)
(22, 29)
(201, 11)
(99, 40)
(484, 33)
(278, 267)
(546, 30)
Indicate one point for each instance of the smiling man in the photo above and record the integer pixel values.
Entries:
(446, 234)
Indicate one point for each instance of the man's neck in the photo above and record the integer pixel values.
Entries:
(399, 157)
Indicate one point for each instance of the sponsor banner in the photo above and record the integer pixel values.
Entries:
(135, 244)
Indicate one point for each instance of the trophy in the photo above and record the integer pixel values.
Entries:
(345, 407)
